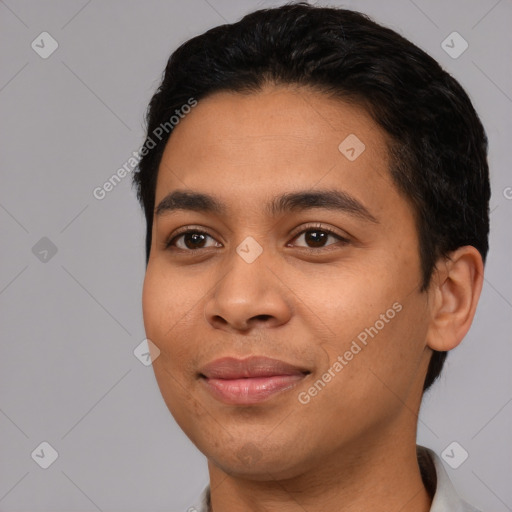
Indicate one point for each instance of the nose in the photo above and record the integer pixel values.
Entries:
(249, 295)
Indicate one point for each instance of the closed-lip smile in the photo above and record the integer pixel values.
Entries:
(250, 380)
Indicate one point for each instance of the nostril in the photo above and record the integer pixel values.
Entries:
(263, 317)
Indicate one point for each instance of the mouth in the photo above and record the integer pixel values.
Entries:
(249, 381)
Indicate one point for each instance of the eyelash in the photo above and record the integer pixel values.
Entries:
(316, 227)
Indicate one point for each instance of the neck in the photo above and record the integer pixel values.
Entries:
(385, 476)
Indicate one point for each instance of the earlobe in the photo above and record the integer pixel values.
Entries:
(456, 288)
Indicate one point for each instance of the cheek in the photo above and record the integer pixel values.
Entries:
(165, 304)
(380, 364)
(154, 303)
(346, 298)
(372, 309)
(173, 315)
(167, 307)
(166, 299)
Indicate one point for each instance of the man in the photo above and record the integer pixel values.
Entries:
(316, 193)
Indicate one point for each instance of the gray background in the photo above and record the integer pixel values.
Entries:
(70, 323)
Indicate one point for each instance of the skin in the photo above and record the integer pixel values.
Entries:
(352, 447)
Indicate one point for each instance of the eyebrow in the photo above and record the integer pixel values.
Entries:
(289, 202)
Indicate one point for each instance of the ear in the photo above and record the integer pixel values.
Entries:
(454, 293)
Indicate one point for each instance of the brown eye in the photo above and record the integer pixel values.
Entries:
(190, 240)
(315, 238)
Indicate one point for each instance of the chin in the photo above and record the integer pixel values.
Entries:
(248, 460)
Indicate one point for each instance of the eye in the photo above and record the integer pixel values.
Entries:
(316, 237)
(190, 240)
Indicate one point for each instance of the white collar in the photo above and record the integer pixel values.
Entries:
(445, 498)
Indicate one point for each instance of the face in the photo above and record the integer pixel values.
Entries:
(303, 252)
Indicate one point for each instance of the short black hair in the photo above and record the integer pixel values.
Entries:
(438, 146)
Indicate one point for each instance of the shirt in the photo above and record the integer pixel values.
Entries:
(433, 473)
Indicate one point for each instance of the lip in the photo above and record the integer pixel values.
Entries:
(251, 380)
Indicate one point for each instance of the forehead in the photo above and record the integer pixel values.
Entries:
(249, 145)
